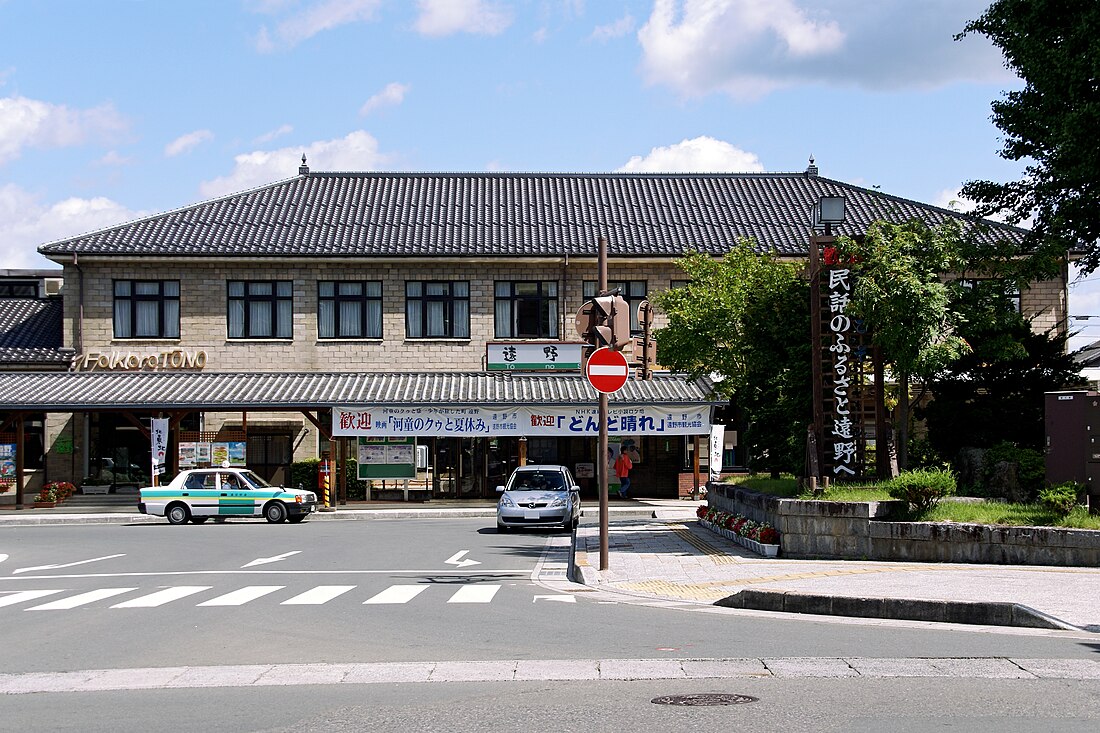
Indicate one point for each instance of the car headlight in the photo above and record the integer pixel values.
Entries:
(506, 500)
(559, 502)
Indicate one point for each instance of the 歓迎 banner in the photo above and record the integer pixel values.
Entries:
(518, 421)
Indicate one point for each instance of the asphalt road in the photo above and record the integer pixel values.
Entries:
(249, 593)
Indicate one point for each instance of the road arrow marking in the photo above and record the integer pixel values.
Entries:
(65, 565)
(3, 558)
(266, 560)
(559, 599)
(456, 559)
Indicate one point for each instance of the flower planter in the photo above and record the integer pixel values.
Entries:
(44, 504)
(95, 489)
(758, 547)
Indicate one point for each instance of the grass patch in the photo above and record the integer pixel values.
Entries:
(946, 511)
(1008, 514)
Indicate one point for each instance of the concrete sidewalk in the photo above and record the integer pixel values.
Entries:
(681, 560)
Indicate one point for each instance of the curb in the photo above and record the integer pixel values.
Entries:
(902, 609)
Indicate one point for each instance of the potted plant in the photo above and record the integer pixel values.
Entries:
(94, 485)
(47, 497)
(62, 490)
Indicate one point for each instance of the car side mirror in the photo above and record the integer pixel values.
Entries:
(500, 489)
(575, 488)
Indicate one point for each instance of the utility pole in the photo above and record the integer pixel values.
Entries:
(601, 460)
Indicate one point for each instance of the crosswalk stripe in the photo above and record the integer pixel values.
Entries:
(81, 599)
(397, 594)
(25, 595)
(242, 596)
(162, 596)
(474, 594)
(317, 596)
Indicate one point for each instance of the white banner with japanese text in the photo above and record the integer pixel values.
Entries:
(464, 422)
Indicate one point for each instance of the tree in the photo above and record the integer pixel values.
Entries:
(1054, 46)
(900, 294)
(745, 318)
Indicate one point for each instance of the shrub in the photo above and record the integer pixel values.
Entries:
(1060, 498)
(1029, 474)
(922, 488)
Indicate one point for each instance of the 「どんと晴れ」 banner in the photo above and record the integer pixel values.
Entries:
(463, 422)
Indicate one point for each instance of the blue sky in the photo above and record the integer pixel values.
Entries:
(114, 109)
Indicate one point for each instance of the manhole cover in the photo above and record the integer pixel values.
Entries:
(706, 698)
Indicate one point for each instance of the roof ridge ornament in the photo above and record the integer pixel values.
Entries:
(303, 169)
(811, 169)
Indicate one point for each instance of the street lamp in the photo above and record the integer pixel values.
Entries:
(828, 210)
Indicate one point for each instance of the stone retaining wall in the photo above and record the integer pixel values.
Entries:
(870, 530)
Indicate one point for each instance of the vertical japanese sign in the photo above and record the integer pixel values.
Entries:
(717, 446)
(158, 435)
(840, 437)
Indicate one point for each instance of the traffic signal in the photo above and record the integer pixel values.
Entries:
(605, 321)
(614, 315)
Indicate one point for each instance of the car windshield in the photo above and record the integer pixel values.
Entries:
(255, 480)
(537, 481)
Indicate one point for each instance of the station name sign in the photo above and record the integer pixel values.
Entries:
(130, 361)
(455, 422)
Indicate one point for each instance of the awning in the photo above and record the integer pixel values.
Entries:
(271, 391)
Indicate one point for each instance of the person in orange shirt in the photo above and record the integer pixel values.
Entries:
(623, 464)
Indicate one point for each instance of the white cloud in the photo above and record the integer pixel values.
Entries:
(272, 134)
(699, 155)
(392, 95)
(184, 143)
(617, 29)
(32, 123)
(747, 48)
(314, 19)
(356, 151)
(113, 158)
(447, 17)
(26, 223)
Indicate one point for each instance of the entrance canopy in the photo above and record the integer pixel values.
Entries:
(354, 391)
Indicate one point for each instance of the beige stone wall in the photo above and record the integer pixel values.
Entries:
(203, 312)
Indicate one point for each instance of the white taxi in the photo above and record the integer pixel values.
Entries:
(201, 493)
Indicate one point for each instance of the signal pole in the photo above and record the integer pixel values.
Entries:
(601, 459)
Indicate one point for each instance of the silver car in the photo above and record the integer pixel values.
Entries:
(539, 496)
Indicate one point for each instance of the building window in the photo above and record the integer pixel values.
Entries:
(437, 309)
(526, 309)
(18, 289)
(147, 309)
(633, 291)
(349, 309)
(1011, 293)
(260, 309)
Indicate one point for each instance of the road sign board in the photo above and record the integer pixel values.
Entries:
(606, 370)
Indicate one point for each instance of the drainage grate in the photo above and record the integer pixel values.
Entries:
(706, 698)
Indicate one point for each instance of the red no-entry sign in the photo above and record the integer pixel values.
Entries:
(606, 370)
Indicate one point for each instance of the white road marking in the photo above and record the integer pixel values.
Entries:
(317, 596)
(65, 565)
(397, 594)
(24, 595)
(607, 370)
(3, 557)
(242, 596)
(161, 597)
(559, 599)
(456, 559)
(81, 599)
(266, 560)
(474, 594)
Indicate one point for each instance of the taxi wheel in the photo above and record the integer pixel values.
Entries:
(178, 514)
(275, 512)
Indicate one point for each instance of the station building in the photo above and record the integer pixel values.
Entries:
(437, 306)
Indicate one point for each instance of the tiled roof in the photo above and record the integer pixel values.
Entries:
(75, 391)
(30, 331)
(502, 214)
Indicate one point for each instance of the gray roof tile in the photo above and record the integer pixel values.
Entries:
(502, 214)
(30, 331)
(74, 391)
